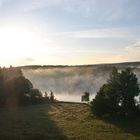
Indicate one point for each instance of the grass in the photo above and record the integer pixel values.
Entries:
(62, 121)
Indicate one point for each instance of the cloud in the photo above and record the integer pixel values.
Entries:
(135, 47)
(98, 9)
(20, 7)
(39, 4)
(101, 33)
(131, 52)
(23, 61)
(97, 33)
(28, 59)
(82, 7)
(102, 10)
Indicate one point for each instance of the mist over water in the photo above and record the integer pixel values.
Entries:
(69, 83)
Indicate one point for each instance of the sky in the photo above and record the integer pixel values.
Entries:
(69, 32)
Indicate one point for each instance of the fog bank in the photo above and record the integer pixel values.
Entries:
(69, 83)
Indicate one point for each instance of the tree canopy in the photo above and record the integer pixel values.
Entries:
(85, 97)
(117, 94)
(15, 89)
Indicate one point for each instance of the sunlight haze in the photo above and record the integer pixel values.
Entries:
(68, 32)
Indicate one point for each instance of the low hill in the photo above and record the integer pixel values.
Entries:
(123, 64)
(64, 121)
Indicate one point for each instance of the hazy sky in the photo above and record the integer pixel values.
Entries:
(69, 31)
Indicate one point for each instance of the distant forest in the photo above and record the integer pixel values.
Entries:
(118, 65)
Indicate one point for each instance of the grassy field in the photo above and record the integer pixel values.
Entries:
(64, 121)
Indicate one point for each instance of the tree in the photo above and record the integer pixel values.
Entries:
(35, 93)
(19, 85)
(46, 95)
(15, 89)
(18, 88)
(85, 97)
(2, 96)
(117, 95)
(101, 103)
(129, 89)
(35, 96)
(51, 97)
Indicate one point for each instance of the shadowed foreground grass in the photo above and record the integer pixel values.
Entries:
(63, 121)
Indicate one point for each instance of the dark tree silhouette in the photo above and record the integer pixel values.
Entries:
(129, 89)
(117, 95)
(15, 89)
(2, 96)
(51, 97)
(46, 95)
(85, 97)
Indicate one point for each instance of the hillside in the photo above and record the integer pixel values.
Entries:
(123, 64)
(64, 121)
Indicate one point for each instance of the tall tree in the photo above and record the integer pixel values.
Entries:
(85, 97)
(117, 95)
(129, 89)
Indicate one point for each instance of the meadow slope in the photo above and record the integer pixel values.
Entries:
(64, 121)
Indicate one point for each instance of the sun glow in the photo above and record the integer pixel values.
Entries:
(18, 43)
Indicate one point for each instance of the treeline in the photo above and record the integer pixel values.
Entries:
(119, 95)
(16, 90)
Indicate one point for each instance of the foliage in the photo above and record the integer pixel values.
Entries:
(117, 95)
(51, 97)
(16, 90)
(85, 97)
